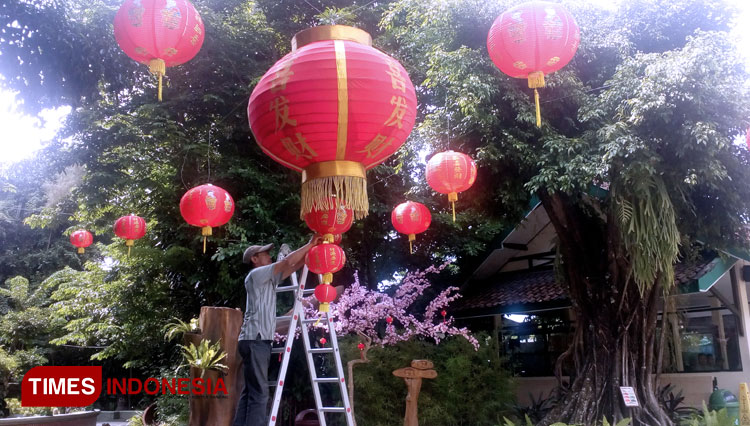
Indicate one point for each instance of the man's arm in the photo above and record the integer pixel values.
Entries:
(295, 259)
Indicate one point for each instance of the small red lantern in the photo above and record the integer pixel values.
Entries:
(361, 347)
(531, 40)
(130, 228)
(329, 222)
(443, 313)
(323, 340)
(206, 206)
(333, 108)
(159, 33)
(81, 239)
(411, 218)
(389, 320)
(325, 259)
(325, 293)
(449, 173)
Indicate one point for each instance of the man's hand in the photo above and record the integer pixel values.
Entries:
(295, 259)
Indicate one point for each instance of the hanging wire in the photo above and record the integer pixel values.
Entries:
(208, 152)
(311, 5)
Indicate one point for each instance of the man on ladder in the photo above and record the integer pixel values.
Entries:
(259, 324)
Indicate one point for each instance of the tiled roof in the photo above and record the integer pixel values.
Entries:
(539, 286)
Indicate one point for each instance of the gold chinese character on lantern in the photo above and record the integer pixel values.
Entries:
(280, 106)
(397, 79)
(399, 110)
(298, 148)
(282, 77)
(376, 145)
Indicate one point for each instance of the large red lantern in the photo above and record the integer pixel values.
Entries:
(449, 173)
(531, 40)
(206, 206)
(325, 293)
(325, 259)
(130, 228)
(159, 33)
(331, 109)
(81, 239)
(330, 222)
(411, 218)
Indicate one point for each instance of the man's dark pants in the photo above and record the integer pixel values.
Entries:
(256, 355)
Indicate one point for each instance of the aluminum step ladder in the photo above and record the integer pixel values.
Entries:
(297, 318)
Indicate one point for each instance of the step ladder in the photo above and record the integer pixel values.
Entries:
(297, 318)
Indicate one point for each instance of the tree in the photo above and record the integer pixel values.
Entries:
(648, 108)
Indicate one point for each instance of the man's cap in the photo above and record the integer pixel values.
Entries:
(253, 250)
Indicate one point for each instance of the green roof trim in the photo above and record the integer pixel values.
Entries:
(722, 264)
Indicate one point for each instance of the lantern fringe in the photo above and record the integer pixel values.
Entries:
(324, 192)
(412, 237)
(324, 307)
(536, 80)
(453, 197)
(205, 231)
(81, 250)
(158, 67)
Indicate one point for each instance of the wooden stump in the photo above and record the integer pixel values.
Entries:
(218, 324)
(420, 369)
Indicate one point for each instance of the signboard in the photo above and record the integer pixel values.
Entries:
(628, 396)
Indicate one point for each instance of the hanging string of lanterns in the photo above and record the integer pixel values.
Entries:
(159, 33)
(130, 228)
(206, 206)
(532, 40)
(325, 259)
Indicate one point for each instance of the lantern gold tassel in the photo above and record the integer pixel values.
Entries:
(205, 231)
(453, 197)
(81, 250)
(327, 278)
(328, 183)
(158, 67)
(536, 80)
(129, 243)
(324, 307)
(412, 237)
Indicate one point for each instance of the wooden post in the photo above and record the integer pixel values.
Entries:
(420, 369)
(218, 324)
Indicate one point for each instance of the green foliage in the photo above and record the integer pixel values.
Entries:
(172, 410)
(709, 418)
(177, 328)
(205, 356)
(14, 405)
(471, 388)
(605, 422)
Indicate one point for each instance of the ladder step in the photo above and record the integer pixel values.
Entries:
(333, 409)
(284, 318)
(326, 380)
(278, 350)
(321, 351)
(308, 291)
(286, 288)
(272, 384)
(314, 320)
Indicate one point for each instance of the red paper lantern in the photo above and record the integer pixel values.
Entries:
(81, 239)
(331, 109)
(449, 173)
(159, 33)
(531, 40)
(329, 222)
(325, 293)
(411, 218)
(206, 206)
(325, 259)
(130, 228)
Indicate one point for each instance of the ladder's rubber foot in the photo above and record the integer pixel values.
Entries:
(321, 351)
(326, 380)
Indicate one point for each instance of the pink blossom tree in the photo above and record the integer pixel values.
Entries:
(359, 310)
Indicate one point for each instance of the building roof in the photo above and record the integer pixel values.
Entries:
(537, 289)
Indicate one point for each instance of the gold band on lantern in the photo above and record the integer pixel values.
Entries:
(333, 168)
(330, 32)
(343, 100)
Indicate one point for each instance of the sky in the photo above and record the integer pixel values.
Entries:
(35, 132)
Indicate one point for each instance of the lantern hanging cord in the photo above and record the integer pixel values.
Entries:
(313, 6)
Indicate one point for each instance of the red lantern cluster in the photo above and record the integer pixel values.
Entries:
(325, 259)
(130, 228)
(411, 218)
(531, 40)
(449, 173)
(81, 239)
(333, 108)
(159, 33)
(206, 206)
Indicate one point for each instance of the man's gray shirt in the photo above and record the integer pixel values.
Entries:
(260, 308)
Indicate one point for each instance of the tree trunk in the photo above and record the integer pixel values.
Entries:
(614, 342)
